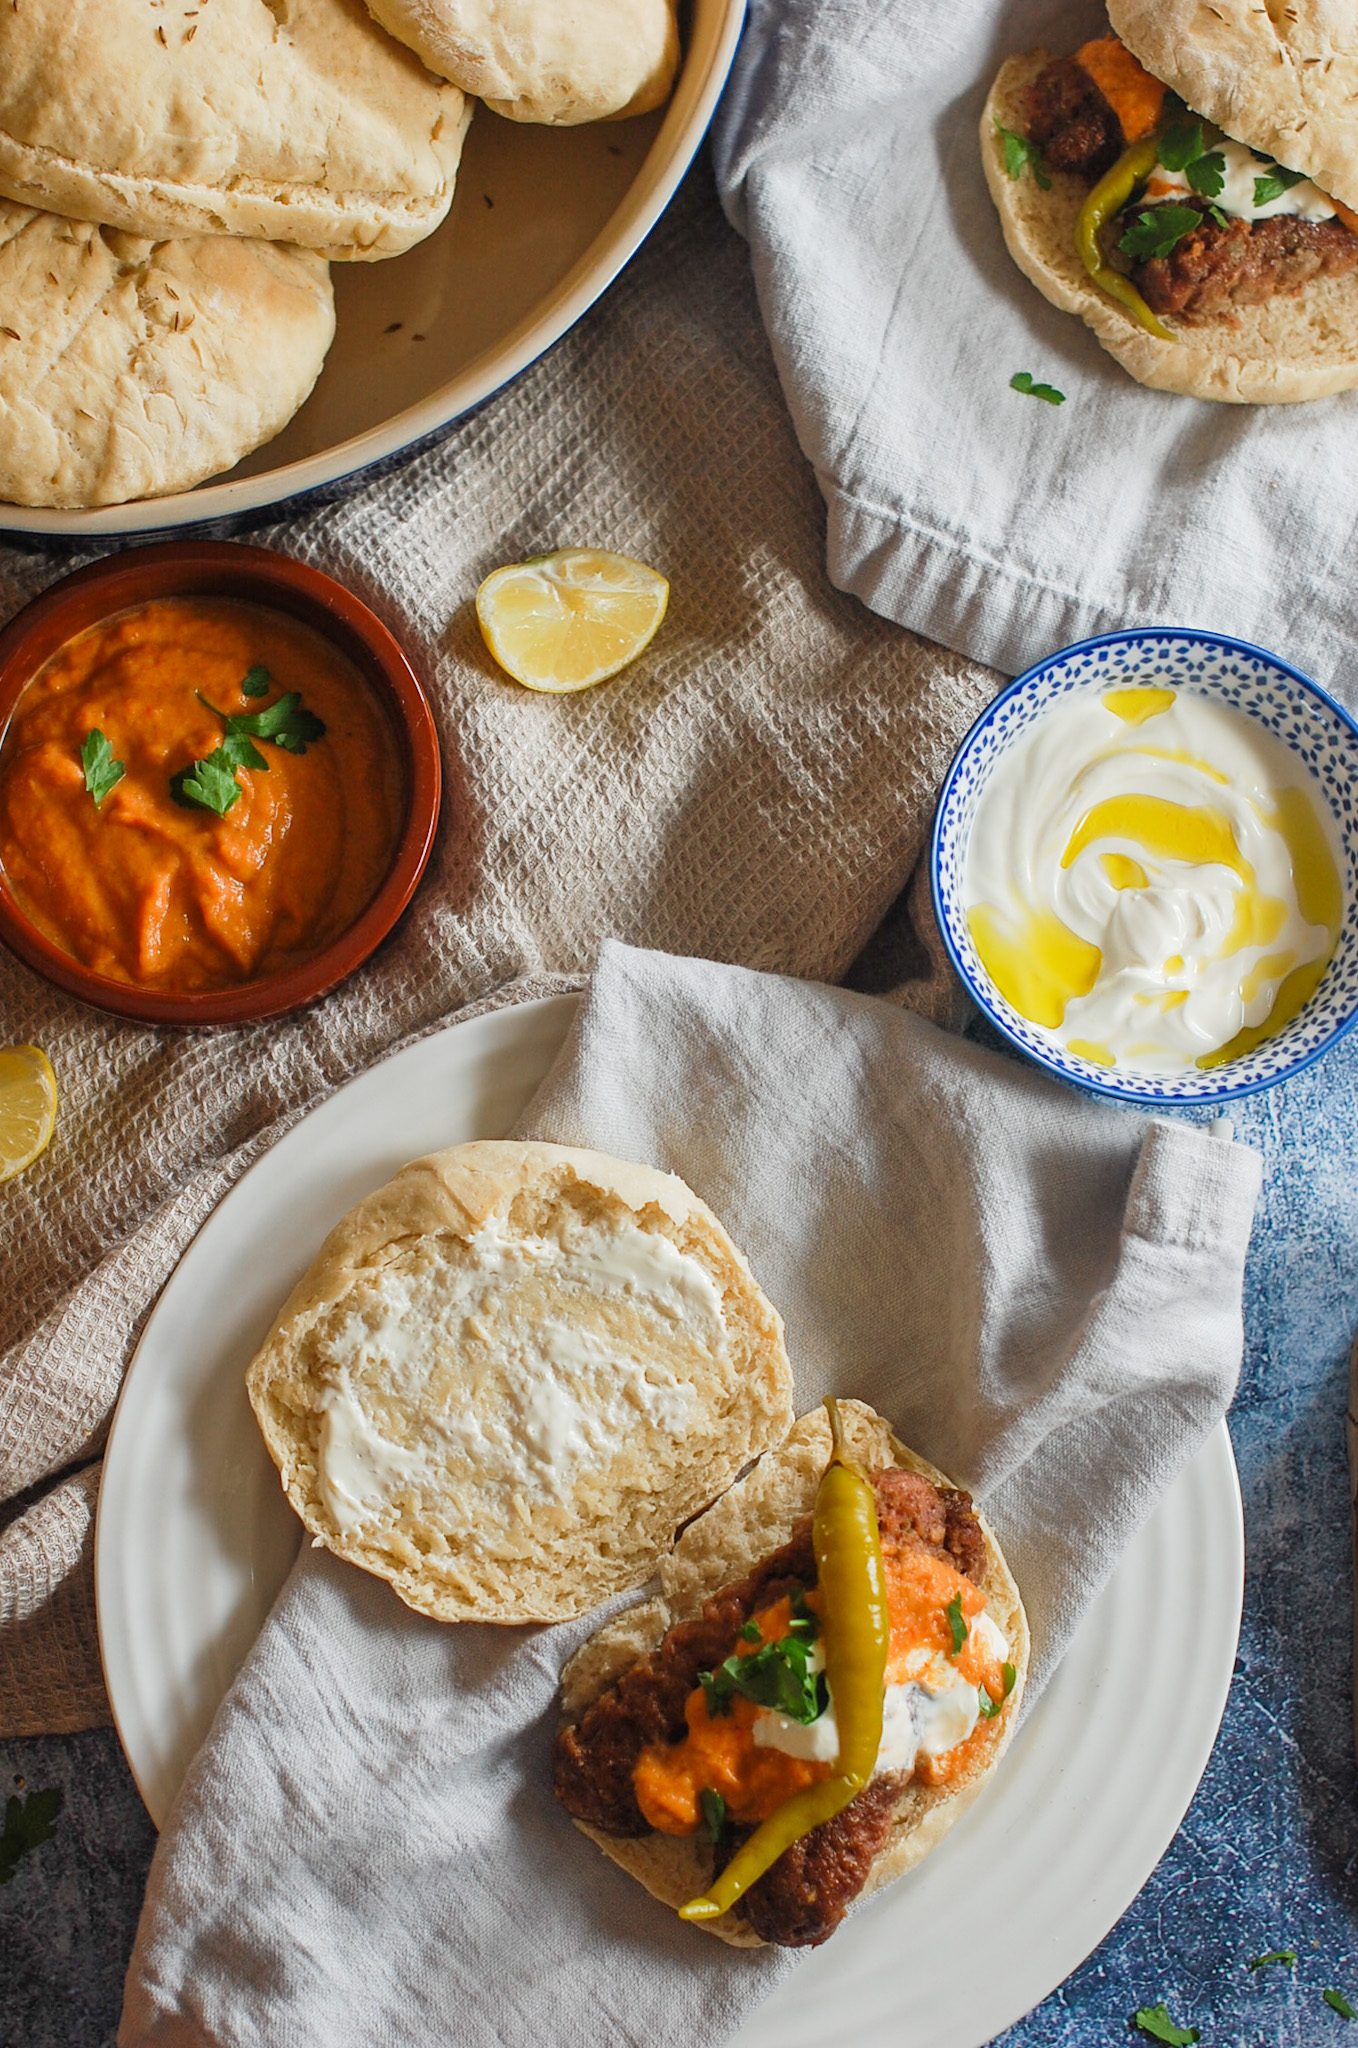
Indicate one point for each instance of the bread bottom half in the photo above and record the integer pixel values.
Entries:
(1280, 353)
(749, 1522)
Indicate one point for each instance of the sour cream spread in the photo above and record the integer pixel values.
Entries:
(1243, 172)
(577, 1338)
(1153, 879)
(927, 1714)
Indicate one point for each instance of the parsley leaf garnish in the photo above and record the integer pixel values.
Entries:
(1181, 145)
(776, 1675)
(1338, 2003)
(751, 1631)
(1158, 230)
(1286, 1956)
(283, 722)
(1020, 152)
(713, 1808)
(1023, 382)
(989, 1707)
(1274, 183)
(101, 770)
(210, 783)
(1208, 174)
(27, 1823)
(256, 682)
(1155, 2021)
(957, 1623)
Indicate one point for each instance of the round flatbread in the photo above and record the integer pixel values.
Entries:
(1290, 349)
(744, 1526)
(294, 120)
(1282, 79)
(556, 61)
(512, 1373)
(129, 368)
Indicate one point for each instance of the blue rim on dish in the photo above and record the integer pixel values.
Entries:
(1264, 686)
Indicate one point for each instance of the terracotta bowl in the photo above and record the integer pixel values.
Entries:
(256, 576)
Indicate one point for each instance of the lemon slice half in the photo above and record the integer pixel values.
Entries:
(565, 621)
(28, 1107)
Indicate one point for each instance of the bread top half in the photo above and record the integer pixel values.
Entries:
(513, 1373)
(1282, 80)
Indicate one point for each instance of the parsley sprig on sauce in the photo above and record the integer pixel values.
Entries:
(102, 772)
(957, 1623)
(211, 782)
(1184, 148)
(989, 1708)
(776, 1675)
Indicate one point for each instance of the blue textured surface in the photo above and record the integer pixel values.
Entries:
(1266, 1857)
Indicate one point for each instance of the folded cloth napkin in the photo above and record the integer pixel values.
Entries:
(1043, 1295)
(847, 151)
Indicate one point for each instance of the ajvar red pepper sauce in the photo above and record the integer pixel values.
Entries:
(169, 896)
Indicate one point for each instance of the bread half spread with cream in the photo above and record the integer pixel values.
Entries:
(667, 1758)
(512, 1373)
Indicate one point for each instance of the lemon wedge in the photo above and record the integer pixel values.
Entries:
(28, 1107)
(565, 621)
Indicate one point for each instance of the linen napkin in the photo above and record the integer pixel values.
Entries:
(847, 151)
(1042, 1295)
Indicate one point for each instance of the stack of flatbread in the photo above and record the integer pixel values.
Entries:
(177, 175)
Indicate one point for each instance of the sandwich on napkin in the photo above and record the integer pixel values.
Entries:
(1188, 185)
(793, 1723)
(512, 1373)
(129, 368)
(536, 60)
(291, 120)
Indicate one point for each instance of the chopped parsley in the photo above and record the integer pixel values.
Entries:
(1183, 148)
(1155, 2021)
(1021, 154)
(284, 722)
(1157, 230)
(211, 782)
(957, 1623)
(1023, 382)
(1286, 1956)
(1338, 2003)
(28, 1822)
(1208, 174)
(989, 1707)
(1181, 145)
(1274, 182)
(256, 682)
(776, 1675)
(102, 772)
(713, 1808)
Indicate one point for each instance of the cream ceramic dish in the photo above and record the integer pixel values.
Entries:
(542, 221)
(194, 1539)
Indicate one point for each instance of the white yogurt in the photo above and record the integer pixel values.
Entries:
(1154, 879)
(1243, 168)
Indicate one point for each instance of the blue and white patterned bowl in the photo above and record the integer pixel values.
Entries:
(1289, 704)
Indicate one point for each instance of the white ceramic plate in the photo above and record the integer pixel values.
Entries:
(541, 221)
(194, 1539)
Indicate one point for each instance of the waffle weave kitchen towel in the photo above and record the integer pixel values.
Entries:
(757, 789)
(848, 152)
(1043, 1295)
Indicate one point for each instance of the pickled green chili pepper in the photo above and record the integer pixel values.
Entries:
(853, 1615)
(1106, 200)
